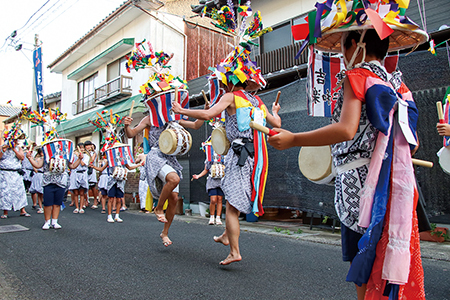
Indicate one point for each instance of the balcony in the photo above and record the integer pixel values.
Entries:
(83, 104)
(281, 59)
(113, 90)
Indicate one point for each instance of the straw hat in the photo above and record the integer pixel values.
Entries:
(386, 19)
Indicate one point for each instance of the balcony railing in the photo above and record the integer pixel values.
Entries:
(281, 59)
(83, 104)
(111, 91)
(119, 87)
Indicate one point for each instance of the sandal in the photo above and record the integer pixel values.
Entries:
(75, 211)
(103, 211)
(25, 215)
(4, 217)
(40, 211)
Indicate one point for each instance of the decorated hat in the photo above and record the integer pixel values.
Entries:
(334, 18)
(238, 67)
(12, 135)
(161, 80)
(110, 138)
(47, 118)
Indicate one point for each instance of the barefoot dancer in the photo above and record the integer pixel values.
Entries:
(159, 166)
(163, 168)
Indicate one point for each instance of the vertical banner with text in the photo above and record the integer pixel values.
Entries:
(37, 63)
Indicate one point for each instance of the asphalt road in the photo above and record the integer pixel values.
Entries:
(92, 259)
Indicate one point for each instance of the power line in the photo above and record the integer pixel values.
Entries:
(24, 24)
(26, 30)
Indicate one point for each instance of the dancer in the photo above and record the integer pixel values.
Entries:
(103, 183)
(371, 152)
(115, 188)
(55, 183)
(160, 167)
(36, 188)
(92, 174)
(79, 180)
(213, 166)
(143, 185)
(240, 106)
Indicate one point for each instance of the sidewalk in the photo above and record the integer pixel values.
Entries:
(318, 234)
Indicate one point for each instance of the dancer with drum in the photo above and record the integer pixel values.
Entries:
(239, 78)
(92, 174)
(164, 128)
(55, 178)
(79, 180)
(214, 166)
(372, 154)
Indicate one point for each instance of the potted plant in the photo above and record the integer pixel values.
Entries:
(436, 234)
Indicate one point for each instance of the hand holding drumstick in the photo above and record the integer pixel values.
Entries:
(442, 127)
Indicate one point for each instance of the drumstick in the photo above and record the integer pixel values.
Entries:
(111, 116)
(102, 118)
(423, 163)
(79, 150)
(176, 94)
(131, 109)
(263, 129)
(440, 112)
(206, 98)
(278, 97)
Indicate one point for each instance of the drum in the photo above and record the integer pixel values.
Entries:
(58, 148)
(217, 171)
(119, 155)
(120, 173)
(444, 159)
(219, 141)
(160, 106)
(175, 140)
(316, 164)
(57, 165)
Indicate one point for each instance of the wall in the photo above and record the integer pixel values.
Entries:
(273, 12)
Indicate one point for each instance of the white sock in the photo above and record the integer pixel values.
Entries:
(109, 216)
(54, 221)
(117, 215)
(47, 222)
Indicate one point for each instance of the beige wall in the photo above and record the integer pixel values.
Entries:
(274, 12)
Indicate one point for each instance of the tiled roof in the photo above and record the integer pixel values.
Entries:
(8, 110)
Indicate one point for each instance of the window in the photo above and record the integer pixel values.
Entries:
(86, 89)
(278, 38)
(116, 68)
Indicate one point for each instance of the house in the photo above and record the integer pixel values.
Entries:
(94, 77)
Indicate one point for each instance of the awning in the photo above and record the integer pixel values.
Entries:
(121, 108)
(101, 59)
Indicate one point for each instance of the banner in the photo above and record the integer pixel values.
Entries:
(119, 156)
(324, 72)
(37, 62)
(58, 149)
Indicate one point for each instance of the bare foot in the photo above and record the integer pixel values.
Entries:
(230, 259)
(160, 216)
(222, 239)
(165, 239)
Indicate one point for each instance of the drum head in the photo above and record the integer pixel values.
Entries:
(444, 159)
(219, 141)
(168, 141)
(315, 162)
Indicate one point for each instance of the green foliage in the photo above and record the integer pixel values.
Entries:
(287, 231)
(299, 231)
(277, 229)
(325, 219)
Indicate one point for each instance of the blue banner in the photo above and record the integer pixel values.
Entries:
(37, 62)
